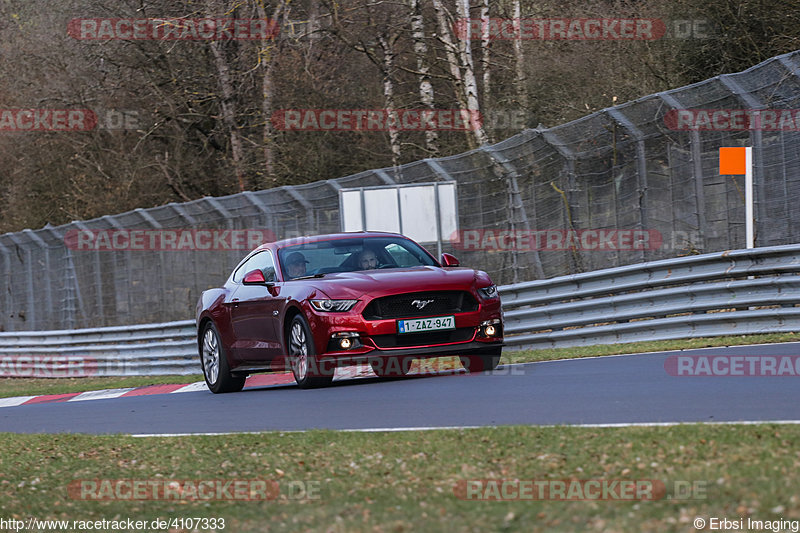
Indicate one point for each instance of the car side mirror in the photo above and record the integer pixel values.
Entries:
(449, 261)
(254, 277)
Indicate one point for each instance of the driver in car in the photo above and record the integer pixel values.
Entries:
(367, 260)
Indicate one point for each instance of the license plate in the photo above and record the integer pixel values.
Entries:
(426, 324)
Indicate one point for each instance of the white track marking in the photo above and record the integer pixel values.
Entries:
(100, 394)
(445, 428)
(193, 387)
(17, 400)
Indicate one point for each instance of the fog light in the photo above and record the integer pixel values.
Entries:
(490, 328)
(344, 340)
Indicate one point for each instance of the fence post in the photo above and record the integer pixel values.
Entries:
(641, 167)
(98, 276)
(215, 204)
(308, 206)
(270, 221)
(126, 281)
(695, 146)
(8, 294)
(192, 222)
(568, 155)
(48, 313)
(30, 312)
(158, 268)
(517, 206)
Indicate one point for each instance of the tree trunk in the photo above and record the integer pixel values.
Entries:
(425, 86)
(228, 104)
(487, 71)
(387, 45)
(470, 83)
(452, 60)
(519, 61)
(266, 62)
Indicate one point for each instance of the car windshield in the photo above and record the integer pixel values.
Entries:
(351, 254)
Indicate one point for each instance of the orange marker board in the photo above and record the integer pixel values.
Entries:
(732, 161)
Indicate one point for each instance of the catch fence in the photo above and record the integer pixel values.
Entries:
(622, 186)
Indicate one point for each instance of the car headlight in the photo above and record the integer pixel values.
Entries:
(489, 292)
(333, 305)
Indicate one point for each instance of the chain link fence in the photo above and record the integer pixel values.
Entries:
(620, 169)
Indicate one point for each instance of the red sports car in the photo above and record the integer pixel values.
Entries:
(315, 303)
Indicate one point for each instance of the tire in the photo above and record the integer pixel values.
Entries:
(214, 362)
(480, 363)
(307, 370)
(391, 367)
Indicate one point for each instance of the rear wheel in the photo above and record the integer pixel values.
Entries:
(480, 363)
(215, 363)
(391, 367)
(307, 370)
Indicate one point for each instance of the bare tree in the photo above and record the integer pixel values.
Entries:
(426, 93)
(485, 42)
(385, 35)
(266, 61)
(228, 102)
(519, 61)
(459, 58)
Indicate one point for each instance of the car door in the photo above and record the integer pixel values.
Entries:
(254, 312)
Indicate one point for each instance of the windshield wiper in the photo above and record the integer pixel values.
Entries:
(320, 275)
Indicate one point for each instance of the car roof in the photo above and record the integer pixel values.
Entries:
(330, 236)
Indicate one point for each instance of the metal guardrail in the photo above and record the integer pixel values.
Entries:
(139, 350)
(727, 293)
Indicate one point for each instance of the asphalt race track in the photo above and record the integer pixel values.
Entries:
(607, 390)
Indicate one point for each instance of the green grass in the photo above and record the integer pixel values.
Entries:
(525, 356)
(34, 386)
(404, 481)
(398, 482)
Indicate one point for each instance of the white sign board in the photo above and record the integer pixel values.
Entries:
(425, 212)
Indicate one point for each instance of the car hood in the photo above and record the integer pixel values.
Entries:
(354, 285)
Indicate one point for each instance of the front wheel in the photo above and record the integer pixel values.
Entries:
(307, 370)
(216, 371)
(480, 363)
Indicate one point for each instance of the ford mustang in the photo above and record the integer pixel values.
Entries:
(315, 303)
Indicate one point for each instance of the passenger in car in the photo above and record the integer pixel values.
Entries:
(296, 265)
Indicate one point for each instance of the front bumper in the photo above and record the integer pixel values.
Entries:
(380, 338)
(469, 348)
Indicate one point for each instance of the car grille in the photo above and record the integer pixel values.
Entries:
(423, 339)
(402, 306)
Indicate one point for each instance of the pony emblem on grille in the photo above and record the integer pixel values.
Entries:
(419, 304)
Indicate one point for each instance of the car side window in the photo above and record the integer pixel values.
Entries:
(263, 261)
(401, 256)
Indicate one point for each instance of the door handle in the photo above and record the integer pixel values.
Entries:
(235, 302)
